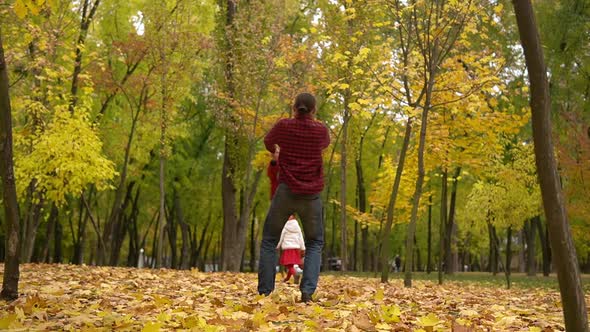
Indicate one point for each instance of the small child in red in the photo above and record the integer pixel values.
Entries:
(293, 246)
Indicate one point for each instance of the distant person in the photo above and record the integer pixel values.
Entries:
(301, 180)
(292, 246)
(397, 263)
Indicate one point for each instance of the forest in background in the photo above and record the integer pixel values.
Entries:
(138, 125)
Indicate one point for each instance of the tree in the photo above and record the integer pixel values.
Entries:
(568, 274)
(11, 265)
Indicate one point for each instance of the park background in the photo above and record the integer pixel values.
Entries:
(138, 126)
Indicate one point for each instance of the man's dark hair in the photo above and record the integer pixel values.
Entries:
(304, 103)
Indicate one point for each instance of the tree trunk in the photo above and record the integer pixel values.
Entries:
(521, 260)
(355, 247)
(119, 227)
(242, 230)
(202, 241)
(362, 199)
(46, 255)
(418, 190)
(493, 249)
(560, 238)
(443, 222)
(57, 252)
(185, 255)
(206, 252)
(253, 240)
(86, 19)
(385, 240)
(112, 223)
(429, 248)
(132, 230)
(79, 244)
(30, 230)
(11, 215)
(171, 230)
(418, 266)
(450, 235)
(531, 252)
(333, 242)
(343, 167)
(230, 258)
(230, 216)
(163, 124)
(508, 256)
(545, 248)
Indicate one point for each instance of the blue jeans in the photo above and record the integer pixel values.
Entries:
(309, 210)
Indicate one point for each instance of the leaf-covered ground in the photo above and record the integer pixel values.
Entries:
(68, 297)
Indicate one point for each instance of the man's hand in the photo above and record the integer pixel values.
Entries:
(277, 152)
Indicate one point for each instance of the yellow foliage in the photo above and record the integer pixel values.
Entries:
(65, 158)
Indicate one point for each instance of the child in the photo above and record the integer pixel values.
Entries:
(293, 246)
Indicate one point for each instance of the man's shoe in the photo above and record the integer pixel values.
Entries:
(305, 298)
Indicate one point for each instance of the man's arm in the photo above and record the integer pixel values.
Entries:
(326, 140)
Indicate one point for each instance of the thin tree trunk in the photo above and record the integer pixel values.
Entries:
(429, 250)
(253, 240)
(343, 171)
(30, 234)
(493, 249)
(362, 199)
(87, 16)
(79, 246)
(508, 256)
(117, 208)
(355, 247)
(450, 238)
(163, 124)
(531, 252)
(418, 266)
(419, 182)
(46, 254)
(202, 239)
(545, 249)
(242, 227)
(57, 252)
(385, 240)
(521, 255)
(333, 244)
(560, 238)
(171, 230)
(9, 200)
(443, 222)
(100, 242)
(185, 233)
(120, 226)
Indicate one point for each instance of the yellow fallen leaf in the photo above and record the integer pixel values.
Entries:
(379, 295)
(468, 313)
(151, 327)
(429, 320)
(6, 321)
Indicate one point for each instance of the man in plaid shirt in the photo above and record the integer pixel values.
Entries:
(301, 180)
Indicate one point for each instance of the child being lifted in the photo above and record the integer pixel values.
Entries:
(302, 140)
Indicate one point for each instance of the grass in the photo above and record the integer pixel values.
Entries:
(520, 280)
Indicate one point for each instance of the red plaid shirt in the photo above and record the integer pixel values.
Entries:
(301, 140)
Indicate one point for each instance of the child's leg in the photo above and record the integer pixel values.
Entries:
(290, 271)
